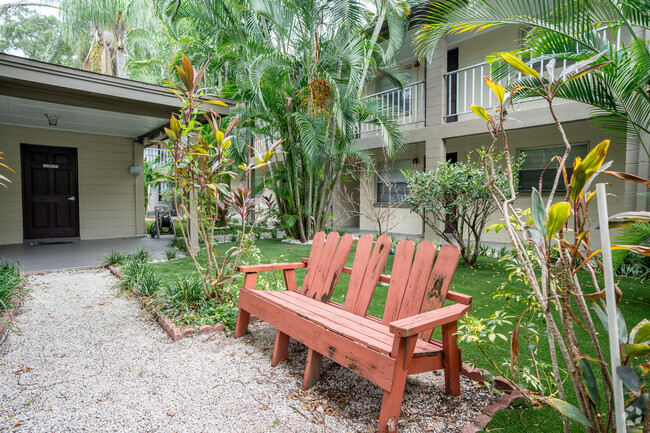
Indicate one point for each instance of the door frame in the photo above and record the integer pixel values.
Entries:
(24, 148)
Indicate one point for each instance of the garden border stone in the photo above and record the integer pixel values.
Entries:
(8, 316)
(174, 332)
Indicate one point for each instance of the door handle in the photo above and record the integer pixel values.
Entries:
(73, 198)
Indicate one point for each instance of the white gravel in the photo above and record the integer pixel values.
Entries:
(88, 360)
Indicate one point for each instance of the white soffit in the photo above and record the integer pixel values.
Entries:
(31, 113)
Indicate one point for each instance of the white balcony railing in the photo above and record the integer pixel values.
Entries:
(153, 152)
(406, 104)
(466, 86)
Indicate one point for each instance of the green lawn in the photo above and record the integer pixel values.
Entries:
(480, 282)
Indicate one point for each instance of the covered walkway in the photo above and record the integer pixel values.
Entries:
(80, 254)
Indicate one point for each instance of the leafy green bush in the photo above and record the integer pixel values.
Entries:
(179, 243)
(142, 255)
(149, 283)
(183, 296)
(114, 258)
(132, 271)
(10, 285)
(171, 253)
(456, 195)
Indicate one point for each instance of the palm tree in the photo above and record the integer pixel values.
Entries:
(294, 70)
(574, 31)
(108, 22)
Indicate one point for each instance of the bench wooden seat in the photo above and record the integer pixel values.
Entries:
(384, 351)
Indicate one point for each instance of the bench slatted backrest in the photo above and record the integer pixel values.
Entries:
(416, 284)
(368, 265)
(326, 260)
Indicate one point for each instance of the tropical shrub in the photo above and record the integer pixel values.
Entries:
(201, 171)
(554, 244)
(171, 253)
(456, 195)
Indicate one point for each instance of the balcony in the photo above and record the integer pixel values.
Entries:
(465, 86)
(406, 104)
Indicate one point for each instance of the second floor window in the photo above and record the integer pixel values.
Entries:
(538, 158)
(391, 183)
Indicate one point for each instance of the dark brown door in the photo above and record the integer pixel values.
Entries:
(50, 198)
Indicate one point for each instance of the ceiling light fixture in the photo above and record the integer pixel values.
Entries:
(52, 119)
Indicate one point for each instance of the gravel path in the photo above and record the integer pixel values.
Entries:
(88, 360)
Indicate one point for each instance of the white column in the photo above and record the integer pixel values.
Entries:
(191, 230)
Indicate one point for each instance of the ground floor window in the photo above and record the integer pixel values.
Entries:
(391, 183)
(538, 158)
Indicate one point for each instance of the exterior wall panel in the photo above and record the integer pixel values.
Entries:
(111, 200)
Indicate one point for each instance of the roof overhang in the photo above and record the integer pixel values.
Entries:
(85, 101)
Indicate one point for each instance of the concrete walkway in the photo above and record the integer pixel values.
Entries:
(81, 254)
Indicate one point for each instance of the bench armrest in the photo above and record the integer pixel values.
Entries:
(429, 320)
(247, 269)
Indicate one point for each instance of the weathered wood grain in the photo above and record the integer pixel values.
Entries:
(399, 279)
(376, 265)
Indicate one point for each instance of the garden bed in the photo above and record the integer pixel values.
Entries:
(12, 295)
(175, 332)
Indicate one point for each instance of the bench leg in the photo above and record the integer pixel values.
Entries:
(312, 370)
(241, 327)
(391, 405)
(451, 359)
(280, 349)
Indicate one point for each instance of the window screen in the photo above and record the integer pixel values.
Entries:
(538, 158)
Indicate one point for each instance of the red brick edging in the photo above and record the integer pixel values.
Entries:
(174, 332)
(500, 383)
(8, 316)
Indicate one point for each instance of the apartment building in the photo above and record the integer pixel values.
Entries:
(434, 107)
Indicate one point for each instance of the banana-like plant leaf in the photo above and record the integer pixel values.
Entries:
(586, 168)
(602, 168)
(622, 327)
(590, 381)
(629, 177)
(538, 212)
(627, 218)
(581, 64)
(636, 350)
(480, 112)
(629, 378)
(569, 410)
(641, 332)
(498, 89)
(519, 65)
(215, 102)
(601, 315)
(531, 234)
(558, 215)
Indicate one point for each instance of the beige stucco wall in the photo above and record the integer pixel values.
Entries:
(111, 200)
(577, 132)
(403, 221)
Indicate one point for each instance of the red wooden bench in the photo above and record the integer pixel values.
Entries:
(384, 351)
